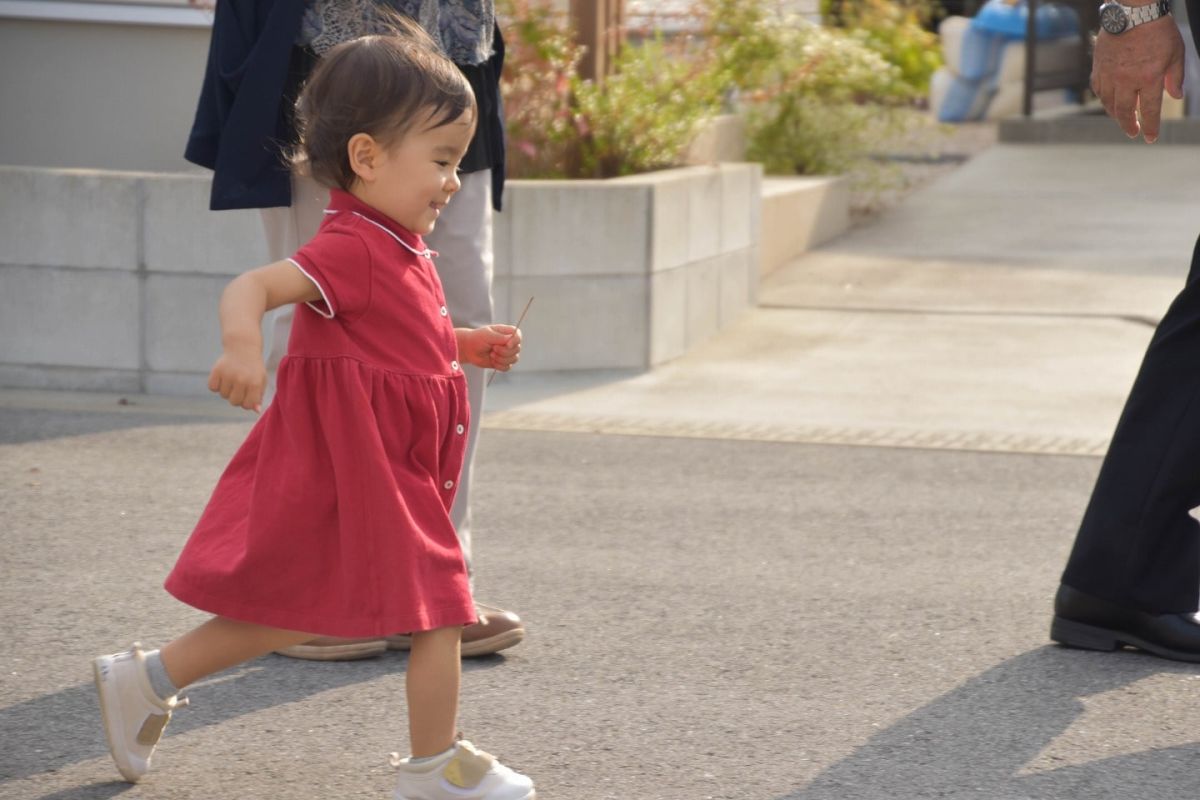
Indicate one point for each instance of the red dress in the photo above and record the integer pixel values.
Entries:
(333, 518)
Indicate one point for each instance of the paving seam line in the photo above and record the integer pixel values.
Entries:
(974, 441)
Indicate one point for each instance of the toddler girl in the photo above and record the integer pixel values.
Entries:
(333, 517)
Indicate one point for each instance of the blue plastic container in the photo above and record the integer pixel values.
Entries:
(1011, 19)
(997, 25)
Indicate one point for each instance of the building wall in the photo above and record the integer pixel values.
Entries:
(98, 95)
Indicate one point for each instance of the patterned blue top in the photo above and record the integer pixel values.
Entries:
(462, 28)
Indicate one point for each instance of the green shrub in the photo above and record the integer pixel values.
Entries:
(823, 104)
(897, 30)
(640, 118)
(815, 98)
(644, 115)
(742, 42)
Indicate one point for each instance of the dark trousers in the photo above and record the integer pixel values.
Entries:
(1137, 545)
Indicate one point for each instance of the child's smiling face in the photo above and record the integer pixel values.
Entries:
(414, 178)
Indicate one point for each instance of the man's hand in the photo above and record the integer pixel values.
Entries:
(1130, 71)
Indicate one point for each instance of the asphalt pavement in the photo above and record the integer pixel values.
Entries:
(811, 560)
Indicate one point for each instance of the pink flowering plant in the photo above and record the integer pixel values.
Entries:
(540, 65)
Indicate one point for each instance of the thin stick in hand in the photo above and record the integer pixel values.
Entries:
(520, 319)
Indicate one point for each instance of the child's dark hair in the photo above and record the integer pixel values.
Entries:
(379, 85)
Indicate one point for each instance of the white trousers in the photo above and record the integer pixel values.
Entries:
(463, 242)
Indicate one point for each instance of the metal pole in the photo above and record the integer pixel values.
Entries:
(1030, 57)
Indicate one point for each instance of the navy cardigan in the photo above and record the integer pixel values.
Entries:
(240, 125)
(1193, 15)
(244, 116)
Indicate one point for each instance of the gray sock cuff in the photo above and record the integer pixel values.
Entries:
(157, 673)
(416, 762)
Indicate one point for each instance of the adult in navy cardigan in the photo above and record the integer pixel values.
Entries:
(243, 119)
(1133, 577)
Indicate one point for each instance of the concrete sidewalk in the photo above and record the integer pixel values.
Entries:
(994, 310)
(729, 604)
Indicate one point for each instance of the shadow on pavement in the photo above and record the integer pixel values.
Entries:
(57, 730)
(21, 425)
(976, 741)
(94, 791)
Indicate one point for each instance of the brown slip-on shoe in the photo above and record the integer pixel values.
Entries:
(333, 648)
(495, 630)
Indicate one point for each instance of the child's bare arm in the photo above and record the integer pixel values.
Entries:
(239, 374)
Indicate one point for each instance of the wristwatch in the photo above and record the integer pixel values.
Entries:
(1116, 18)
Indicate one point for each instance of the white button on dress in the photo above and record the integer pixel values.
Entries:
(443, 311)
(454, 366)
(460, 430)
(449, 484)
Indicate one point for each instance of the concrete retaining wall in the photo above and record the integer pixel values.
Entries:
(110, 280)
(628, 273)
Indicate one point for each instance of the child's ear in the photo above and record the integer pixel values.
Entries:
(363, 152)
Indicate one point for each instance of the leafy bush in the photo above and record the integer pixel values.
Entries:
(640, 118)
(742, 41)
(814, 97)
(644, 115)
(825, 102)
(897, 30)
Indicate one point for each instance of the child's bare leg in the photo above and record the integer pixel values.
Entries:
(219, 644)
(433, 678)
(434, 669)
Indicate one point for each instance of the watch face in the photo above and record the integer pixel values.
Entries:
(1113, 18)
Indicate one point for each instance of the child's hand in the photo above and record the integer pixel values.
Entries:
(240, 377)
(495, 347)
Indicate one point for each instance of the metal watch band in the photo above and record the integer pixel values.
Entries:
(1148, 13)
(1116, 18)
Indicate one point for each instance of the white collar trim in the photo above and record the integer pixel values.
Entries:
(426, 253)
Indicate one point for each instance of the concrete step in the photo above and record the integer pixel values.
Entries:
(800, 213)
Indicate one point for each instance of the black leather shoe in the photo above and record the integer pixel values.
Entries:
(1081, 620)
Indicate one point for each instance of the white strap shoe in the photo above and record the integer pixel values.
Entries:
(461, 773)
(134, 716)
